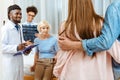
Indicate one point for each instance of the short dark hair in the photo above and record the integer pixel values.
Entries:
(12, 7)
(32, 9)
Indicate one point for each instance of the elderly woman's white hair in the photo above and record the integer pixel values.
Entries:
(43, 23)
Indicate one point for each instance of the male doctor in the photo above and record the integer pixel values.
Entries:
(12, 42)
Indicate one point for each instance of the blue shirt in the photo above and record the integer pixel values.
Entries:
(110, 32)
(47, 48)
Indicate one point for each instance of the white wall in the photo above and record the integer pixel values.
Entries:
(101, 6)
(3, 9)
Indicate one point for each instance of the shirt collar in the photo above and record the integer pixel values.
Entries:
(12, 25)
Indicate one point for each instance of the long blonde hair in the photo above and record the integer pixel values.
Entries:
(81, 15)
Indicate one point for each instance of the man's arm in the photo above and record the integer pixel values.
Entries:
(67, 44)
(110, 32)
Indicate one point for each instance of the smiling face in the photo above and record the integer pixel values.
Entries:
(15, 16)
(30, 16)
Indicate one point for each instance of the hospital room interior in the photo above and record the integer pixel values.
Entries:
(52, 11)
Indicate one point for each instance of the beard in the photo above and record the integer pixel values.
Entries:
(16, 21)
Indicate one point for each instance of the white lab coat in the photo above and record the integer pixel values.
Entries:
(12, 65)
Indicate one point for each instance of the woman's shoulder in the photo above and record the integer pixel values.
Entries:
(53, 37)
(62, 26)
(36, 39)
